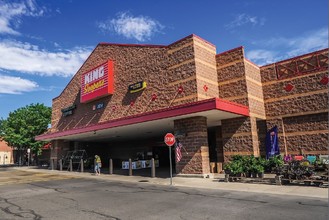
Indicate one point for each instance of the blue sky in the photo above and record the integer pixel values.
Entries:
(44, 43)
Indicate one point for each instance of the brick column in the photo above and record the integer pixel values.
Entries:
(195, 142)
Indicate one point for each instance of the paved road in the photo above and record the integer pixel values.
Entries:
(37, 195)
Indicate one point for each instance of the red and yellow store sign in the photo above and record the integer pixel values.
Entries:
(97, 82)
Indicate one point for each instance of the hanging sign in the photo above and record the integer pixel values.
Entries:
(98, 106)
(136, 87)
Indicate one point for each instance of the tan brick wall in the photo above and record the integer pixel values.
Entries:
(206, 73)
(308, 133)
(164, 69)
(302, 112)
(254, 90)
(232, 84)
(195, 159)
(239, 81)
(237, 137)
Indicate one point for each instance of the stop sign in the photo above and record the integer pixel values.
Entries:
(169, 139)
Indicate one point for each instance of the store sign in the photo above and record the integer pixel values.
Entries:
(136, 87)
(98, 106)
(69, 110)
(97, 82)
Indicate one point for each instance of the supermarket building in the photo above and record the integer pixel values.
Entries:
(126, 97)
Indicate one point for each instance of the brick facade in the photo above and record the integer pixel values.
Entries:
(301, 113)
(188, 71)
(195, 158)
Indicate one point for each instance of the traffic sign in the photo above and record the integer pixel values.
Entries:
(169, 139)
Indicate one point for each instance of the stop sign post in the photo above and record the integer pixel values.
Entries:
(170, 140)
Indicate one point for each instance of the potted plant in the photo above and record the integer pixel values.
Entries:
(260, 170)
(233, 168)
(227, 168)
(274, 164)
(236, 168)
(248, 162)
(256, 169)
(228, 171)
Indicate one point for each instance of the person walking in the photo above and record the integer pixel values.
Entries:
(98, 165)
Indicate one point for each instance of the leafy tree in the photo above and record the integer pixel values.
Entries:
(22, 125)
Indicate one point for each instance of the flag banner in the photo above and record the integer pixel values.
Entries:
(272, 142)
(178, 151)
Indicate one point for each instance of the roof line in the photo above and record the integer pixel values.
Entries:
(191, 35)
(298, 57)
(222, 53)
(132, 45)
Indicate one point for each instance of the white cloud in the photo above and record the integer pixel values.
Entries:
(141, 28)
(312, 41)
(10, 14)
(244, 19)
(262, 57)
(28, 58)
(16, 85)
(281, 48)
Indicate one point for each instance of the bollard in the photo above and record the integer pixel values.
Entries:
(110, 166)
(81, 164)
(278, 180)
(60, 164)
(95, 166)
(152, 168)
(71, 166)
(130, 168)
(227, 176)
(52, 164)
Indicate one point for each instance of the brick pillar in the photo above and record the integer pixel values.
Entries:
(195, 142)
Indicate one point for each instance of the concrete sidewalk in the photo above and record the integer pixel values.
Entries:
(205, 183)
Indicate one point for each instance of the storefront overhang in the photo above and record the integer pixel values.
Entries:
(150, 124)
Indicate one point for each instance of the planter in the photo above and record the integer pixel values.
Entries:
(238, 175)
(227, 176)
(248, 174)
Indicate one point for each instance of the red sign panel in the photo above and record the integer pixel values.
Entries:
(97, 82)
(169, 139)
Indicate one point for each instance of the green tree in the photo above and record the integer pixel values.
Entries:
(22, 125)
